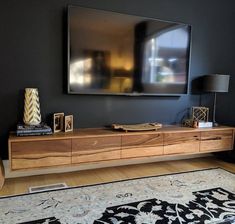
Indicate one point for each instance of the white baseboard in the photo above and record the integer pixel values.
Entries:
(66, 169)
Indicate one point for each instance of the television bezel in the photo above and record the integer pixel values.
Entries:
(132, 93)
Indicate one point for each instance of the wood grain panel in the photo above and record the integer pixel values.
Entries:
(175, 143)
(217, 140)
(36, 154)
(140, 145)
(96, 149)
(143, 139)
(2, 174)
(141, 152)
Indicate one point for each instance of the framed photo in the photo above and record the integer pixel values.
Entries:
(68, 123)
(58, 122)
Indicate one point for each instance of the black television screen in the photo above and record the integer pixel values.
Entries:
(114, 53)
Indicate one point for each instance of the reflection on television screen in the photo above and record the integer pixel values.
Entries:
(112, 53)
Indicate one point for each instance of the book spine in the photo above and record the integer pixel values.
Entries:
(33, 134)
(34, 131)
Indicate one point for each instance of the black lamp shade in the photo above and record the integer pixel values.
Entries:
(216, 83)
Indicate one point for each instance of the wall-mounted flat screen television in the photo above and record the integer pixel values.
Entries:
(119, 54)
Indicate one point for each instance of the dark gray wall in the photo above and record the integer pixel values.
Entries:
(32, 49)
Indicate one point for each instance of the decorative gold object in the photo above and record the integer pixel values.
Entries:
(138, 127)
(58, 122)
(32, 114)
(190, 123)
(200, 113)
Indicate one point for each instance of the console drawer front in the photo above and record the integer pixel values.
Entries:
(216, 140)
(142, 145)
(94, 149)
(182, 142)
(35, 154)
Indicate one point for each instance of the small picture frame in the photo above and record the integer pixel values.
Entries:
(58, 122)
(68, 123)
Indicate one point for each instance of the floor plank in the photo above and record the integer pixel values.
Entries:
(20, 185)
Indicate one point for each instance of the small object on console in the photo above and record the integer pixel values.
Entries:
(137, 127)
(190, 123)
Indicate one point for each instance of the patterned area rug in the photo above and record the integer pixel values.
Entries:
(205, 196)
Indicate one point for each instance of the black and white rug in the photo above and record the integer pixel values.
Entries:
(205, 196)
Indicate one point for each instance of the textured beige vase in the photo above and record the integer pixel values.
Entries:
(32, 114)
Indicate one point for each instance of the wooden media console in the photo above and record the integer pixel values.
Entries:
(99, 145)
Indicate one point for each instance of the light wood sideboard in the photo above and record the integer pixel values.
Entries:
(97, 145)
(2, 174)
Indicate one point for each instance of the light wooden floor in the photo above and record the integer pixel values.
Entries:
(20, 185)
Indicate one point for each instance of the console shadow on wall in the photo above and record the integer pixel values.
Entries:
(33, 54)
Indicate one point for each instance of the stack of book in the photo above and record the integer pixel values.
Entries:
(26, 130)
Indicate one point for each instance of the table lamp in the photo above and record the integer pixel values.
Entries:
(215, 83)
